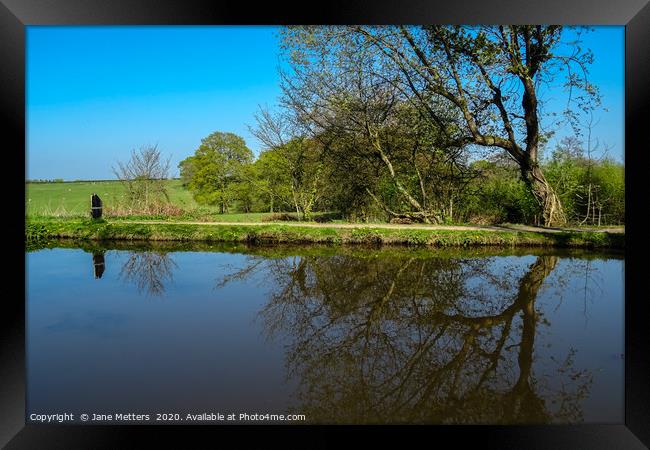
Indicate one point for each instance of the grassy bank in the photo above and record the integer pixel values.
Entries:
(41, 229)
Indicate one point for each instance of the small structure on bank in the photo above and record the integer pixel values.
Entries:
(95, 206)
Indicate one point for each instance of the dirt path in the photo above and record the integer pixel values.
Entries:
(393, 226)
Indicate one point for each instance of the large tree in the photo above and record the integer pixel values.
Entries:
(216, 168)
(475, 86)
(361, 116)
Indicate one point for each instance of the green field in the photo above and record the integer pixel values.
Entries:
(73, 198)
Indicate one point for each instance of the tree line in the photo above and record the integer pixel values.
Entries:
(298, 177)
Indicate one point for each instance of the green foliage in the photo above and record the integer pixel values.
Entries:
(608, 178)
(292, 176)
(274, 180)
(214, 172)
(498, 195)
(245, 190)
(592, 190)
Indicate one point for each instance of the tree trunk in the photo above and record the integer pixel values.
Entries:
(600, 209)
(588, 205)
(593, 215)
(549, 203)
(295, 199)
(451, 209)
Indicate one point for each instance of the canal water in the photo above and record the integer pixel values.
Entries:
(334, 334)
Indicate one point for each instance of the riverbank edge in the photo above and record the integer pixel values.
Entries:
(42, 229)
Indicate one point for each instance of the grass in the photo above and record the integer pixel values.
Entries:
(72, 199)
(40, 230)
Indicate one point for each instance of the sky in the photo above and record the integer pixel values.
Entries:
(95, 93)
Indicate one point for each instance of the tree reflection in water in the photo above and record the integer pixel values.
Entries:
(149, 271)
(417, 340)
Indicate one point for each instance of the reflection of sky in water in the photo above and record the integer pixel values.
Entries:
(191, 346)
(106, 345)
(93, 322)
(583, 302)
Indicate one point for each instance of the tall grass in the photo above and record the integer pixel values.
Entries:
(124, 209)
(48, 210)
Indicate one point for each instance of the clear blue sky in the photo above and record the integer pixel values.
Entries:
(95, 93)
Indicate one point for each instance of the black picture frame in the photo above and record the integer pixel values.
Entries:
(15, 15)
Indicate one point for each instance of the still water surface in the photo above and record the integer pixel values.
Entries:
(341, 335)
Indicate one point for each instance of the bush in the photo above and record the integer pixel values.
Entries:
(498, 195)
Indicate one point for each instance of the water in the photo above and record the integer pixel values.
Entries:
(339, 335)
